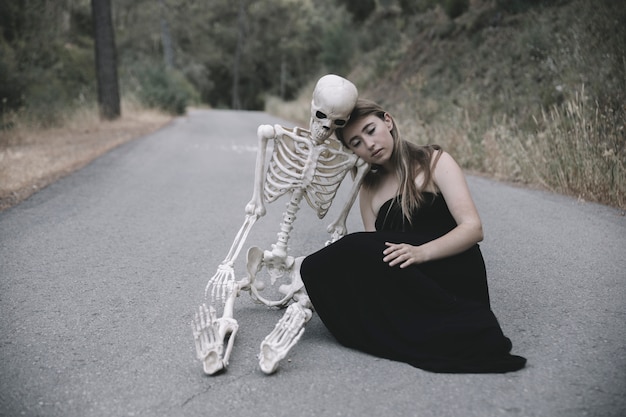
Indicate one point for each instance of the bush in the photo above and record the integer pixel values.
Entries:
(11, 86)
(337, 49)
(46, 82)
(165, 89)
(359, 9)
(46, 100)
(521, 6)
(455, 8)
(412, 7)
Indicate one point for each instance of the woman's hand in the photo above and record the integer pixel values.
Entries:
(404, 254)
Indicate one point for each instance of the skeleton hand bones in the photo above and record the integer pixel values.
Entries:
(223, 282)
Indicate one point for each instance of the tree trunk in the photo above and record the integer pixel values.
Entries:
(241, 27)
(166, 37)
(106, 60)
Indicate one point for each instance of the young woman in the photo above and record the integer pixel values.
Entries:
(412, 287)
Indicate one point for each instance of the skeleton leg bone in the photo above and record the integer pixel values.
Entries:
(286, 334)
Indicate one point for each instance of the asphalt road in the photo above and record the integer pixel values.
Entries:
(101, 272)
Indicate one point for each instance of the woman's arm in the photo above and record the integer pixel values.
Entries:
(450, 180)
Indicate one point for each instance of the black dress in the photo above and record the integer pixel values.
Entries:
(435, 316)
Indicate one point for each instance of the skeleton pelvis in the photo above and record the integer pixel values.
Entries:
(279, 268)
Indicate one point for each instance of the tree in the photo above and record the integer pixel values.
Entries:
(166, 37)
(360, 9)
(241, 30)
(106, 60)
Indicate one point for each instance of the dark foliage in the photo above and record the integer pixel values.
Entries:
(359, 9)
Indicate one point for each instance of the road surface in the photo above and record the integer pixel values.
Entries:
(101, 272)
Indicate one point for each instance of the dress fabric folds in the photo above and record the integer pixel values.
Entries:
(435, 316)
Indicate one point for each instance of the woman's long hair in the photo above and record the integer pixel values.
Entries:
(407, 158)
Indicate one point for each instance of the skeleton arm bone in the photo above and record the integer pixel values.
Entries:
(224, 278)
(338, 228)
(220, 283)
(256, 206)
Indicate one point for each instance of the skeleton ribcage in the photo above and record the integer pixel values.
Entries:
(316, 169)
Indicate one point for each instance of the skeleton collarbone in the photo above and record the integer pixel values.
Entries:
(315, 169)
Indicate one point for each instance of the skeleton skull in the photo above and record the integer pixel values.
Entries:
(333, 100)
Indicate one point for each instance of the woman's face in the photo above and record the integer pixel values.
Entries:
(370, 138)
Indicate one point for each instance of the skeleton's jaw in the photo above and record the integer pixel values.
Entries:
(319, 134)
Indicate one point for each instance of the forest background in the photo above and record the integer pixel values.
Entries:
(527, 91)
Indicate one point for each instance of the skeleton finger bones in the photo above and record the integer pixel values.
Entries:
(220, 284)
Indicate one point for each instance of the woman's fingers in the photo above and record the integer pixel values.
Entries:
(399, 253)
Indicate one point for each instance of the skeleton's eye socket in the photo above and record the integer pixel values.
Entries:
(320, 115)
(340, 122)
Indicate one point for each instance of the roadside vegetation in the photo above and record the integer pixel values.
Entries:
(529, 92)
(526, 91)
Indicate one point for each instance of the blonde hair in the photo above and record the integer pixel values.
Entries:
(408, 159)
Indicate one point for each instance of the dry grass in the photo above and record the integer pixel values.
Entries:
(297, 111)
(576, 148)
(32, 157)
(580, 152)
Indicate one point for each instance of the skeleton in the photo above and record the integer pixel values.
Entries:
(306, 164)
